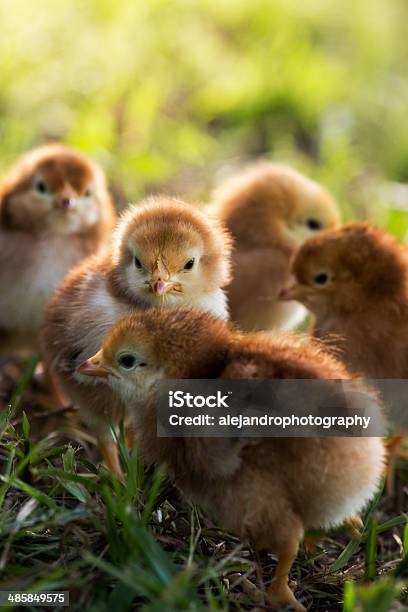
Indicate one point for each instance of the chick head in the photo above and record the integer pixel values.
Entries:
(53, 188)
(158, 343)
(274, 205)
(343, 270)
(166, 251)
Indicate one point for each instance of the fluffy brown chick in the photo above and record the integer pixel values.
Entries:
(54, 211)
(269, 490)
(270, 210)
(164, 253)
(355, 281)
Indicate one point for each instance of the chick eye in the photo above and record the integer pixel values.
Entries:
(189, 264)
(138, 263)
(313, 224)
(40, 186)
(88, 193)
(127, 361)
(321, 279)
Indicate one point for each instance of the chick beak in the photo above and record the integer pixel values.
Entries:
(159, 286)
(292, 292)
(67, 203)
(95, 367)
(159, 280)
(66, 199)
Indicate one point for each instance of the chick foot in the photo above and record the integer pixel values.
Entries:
(110, 455)
(280, 595)
(354, 525)
(310, 542)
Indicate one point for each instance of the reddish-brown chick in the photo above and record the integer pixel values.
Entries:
(55, 210)
(355, 281)
(164, 253)
(270, 489)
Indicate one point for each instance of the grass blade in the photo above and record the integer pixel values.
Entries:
(371, 550)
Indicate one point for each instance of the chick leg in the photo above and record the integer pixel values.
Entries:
(393, 447)
(130, 435)
(310, 542)
(110, 455)
(56, 399)
(56, 392)
(353, 524)
(279, 592)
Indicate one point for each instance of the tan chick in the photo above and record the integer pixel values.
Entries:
(269, 490)
(355, 282)
(55, 210)
(164, 253)
(270, 210)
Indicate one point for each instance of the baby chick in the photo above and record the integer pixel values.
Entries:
(269, 489)
(54, 211)
(355, 281)
(164, 252)
(270, 210)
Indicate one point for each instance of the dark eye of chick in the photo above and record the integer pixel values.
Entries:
(127, 361)
(41, 186)
(138, 263)
(314, 224)
(189, 264)
(88, 193)
(321, 279)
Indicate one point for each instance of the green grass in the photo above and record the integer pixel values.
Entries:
(68, 524)
(170, 96)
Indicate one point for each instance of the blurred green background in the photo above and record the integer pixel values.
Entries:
(174, 95)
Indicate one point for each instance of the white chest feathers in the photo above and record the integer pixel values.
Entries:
(30, 271)
(215, 303)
